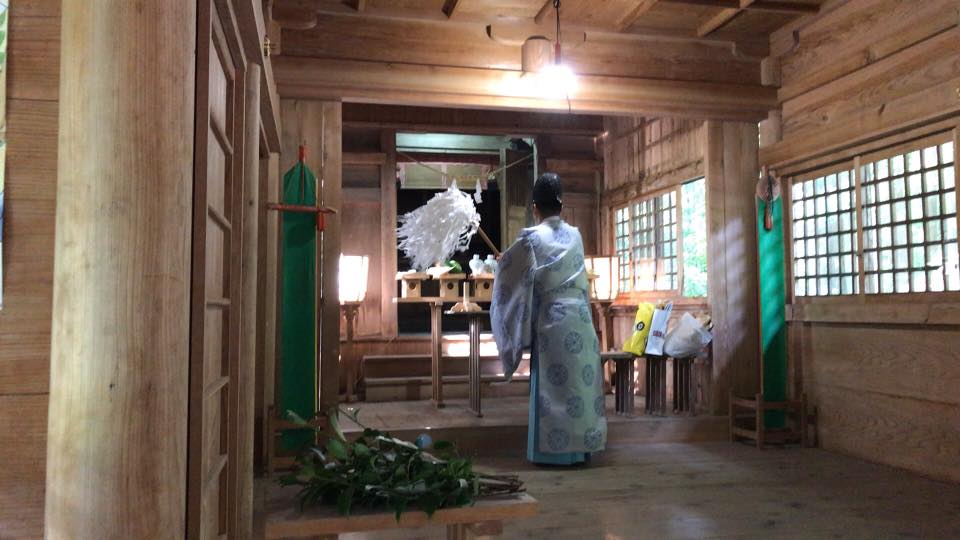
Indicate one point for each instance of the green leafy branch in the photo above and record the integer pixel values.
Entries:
(376, 470)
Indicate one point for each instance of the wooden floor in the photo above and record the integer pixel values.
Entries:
(723, 490)
(500, 411)
(502, 431)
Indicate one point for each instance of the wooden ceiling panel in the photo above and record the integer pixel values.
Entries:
(499, 9)
(761, 23)
(682, 18)
(591, 13)
(670, 17)
(412, 5)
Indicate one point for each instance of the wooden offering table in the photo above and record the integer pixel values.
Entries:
(483, 519)
(474, 390)
(436, 344)
(436, 349)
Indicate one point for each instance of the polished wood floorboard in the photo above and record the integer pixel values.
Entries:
(723, 490)
(498, 411)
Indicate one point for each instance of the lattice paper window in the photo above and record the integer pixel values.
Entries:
(644, 245)
(910, 222)
(823, 216)
(622, 243)
(667, 266)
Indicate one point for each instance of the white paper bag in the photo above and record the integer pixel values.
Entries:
(658, 330)
(687, 339)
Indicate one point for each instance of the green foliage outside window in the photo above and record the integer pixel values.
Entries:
(694, 197)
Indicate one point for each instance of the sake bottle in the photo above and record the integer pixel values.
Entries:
(490, 265)
(476, 265)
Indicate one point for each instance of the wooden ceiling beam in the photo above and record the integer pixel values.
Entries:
(611, 54)
(302, 15)
(642, 7)
(442, 86)
(722, 18)
(728, 14)
(450, 7)
(472, 121)
(784, 6)
(710, 3)
(545, 10)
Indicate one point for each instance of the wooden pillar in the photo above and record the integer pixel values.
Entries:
(732, 172)
(117, 430)
(388, 233)
(330, 195)
(249, 307)
(267, 277)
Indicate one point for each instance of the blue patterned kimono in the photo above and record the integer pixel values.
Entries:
(540, 302)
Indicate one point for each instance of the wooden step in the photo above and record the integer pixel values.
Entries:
(418, 365)
(511, 440)
(454, 387)
(447, 379)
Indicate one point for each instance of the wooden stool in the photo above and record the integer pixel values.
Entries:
(624, 388)
(655, 386)
(685, 386)
(796, 419)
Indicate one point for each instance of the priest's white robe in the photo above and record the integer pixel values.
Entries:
(540, 301)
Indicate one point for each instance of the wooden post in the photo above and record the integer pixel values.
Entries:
(388, 232)
(732, 171)
(267, 299)
(246, 382)
(329, 194)
(117, 430)
(350, 361)
(436, 353)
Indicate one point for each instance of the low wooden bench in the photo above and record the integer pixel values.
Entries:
(482, 520)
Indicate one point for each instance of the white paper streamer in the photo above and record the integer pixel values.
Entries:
(477, 197)
(432, 233)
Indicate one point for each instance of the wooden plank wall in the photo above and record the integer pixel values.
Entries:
(575, 159)
(644, 156)
(361, 236)
(885, 387)
(863, 69)
(658, 152)
(32, 120)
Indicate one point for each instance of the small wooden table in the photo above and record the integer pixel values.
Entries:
(436, 347)
(436, 343)
(473, 386)
(484, 519)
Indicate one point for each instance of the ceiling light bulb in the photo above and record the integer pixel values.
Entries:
(557, 81)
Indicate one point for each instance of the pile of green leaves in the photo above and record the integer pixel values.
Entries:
(378, 471)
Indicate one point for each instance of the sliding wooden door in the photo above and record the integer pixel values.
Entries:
(215, 302)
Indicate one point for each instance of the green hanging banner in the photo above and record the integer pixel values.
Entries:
(773, 298)
(298, 364)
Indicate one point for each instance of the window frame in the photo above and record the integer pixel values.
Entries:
(855, 160)
(633, 293)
